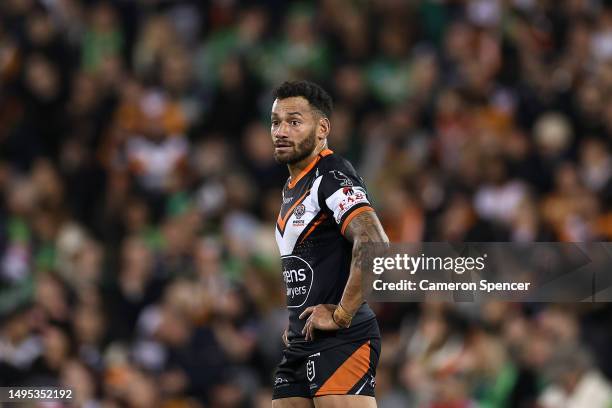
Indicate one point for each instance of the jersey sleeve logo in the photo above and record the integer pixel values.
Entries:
(342, 178)
(344, 199)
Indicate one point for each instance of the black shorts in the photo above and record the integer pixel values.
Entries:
(339, 362)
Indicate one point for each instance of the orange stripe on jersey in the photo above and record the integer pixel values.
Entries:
(310, 166)
(282, 221)
(353, 215)
(349, 373)
(314, 226)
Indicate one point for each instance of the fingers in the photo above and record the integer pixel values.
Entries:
(285, 339)
(306, 312)
(308, 330)
(311, 329)
(305, 329)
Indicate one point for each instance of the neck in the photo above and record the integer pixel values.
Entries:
(296, 168)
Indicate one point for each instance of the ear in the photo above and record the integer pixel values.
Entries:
(323, 128)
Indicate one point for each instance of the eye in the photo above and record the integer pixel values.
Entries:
(295, 122)
(275, 123)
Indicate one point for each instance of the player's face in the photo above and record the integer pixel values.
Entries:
(293, 129)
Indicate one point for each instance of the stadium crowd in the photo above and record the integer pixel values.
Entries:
(139, 192)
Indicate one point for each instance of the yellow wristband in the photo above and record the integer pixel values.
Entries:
(341, 317)
(344, 310)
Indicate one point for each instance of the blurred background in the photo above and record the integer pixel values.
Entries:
(138, 192)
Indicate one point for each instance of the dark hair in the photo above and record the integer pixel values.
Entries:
(313, 93)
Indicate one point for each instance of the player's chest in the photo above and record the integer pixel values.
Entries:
(298, 212)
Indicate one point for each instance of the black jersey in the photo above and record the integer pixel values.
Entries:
(316, 257)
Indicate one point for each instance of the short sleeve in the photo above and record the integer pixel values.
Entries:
(345, 195)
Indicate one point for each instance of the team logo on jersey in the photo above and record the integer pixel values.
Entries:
(343, 178)
(299, 211)
(348, 191)
(298, 277)
(310, 370)
(285, 213)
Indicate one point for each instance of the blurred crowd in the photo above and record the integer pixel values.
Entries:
(139, 194)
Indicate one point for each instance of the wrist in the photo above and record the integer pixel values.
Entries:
(341, 317)
(342, 324)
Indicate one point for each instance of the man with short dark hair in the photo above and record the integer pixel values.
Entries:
(332, 341)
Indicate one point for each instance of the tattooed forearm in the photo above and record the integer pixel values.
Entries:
(363, 229)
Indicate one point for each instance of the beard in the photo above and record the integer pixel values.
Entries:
(301, 151)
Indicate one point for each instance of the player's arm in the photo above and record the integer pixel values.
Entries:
(363, 229)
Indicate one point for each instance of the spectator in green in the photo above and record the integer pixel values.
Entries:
(103, 39)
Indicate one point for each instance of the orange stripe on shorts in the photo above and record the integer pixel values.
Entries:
(349, 373)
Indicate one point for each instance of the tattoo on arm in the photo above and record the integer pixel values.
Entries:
(363, 229)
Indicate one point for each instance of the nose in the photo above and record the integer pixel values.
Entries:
(281, 132)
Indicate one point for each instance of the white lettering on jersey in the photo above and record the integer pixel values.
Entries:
(344, 199)
(298, 276)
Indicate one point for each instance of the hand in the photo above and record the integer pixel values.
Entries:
(319, 317)
(285, 339)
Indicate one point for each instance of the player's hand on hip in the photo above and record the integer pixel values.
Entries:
(285, 338)
(319, 317)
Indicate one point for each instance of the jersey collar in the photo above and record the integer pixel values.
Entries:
(323, 153)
